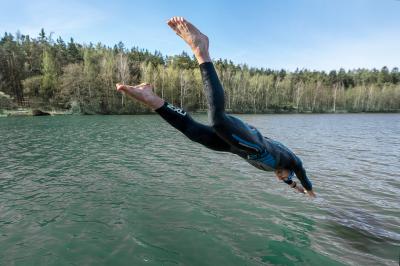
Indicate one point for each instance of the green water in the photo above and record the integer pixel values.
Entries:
(130, 190)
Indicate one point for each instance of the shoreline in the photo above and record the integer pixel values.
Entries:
(31, 112)
(42, 112)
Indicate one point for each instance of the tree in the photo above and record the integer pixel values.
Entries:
(123, 71)
(74, 56)
(49, 78)
(44, 69)
(42, 36)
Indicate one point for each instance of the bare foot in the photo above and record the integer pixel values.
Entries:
(143, 93)
(197, 41)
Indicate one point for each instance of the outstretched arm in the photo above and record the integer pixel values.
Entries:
(294, 185)
(302, 176)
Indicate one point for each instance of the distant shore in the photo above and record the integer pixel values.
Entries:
(55, 75)
(32, 112)
(43, 112)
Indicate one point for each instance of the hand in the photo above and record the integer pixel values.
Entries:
(300, 189)
(310, 193)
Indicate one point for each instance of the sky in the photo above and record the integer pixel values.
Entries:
(277, 34)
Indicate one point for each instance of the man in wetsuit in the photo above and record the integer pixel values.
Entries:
(226, 133)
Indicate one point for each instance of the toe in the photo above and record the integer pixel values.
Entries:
(121, 87)
(175, 20)
(172, 20)
(172, 25)
(143, 84)
(185, 26)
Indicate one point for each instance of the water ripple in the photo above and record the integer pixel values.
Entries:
(132, 190)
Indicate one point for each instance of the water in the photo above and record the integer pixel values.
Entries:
(130, 190)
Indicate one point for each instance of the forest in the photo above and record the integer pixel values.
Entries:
(53, 74)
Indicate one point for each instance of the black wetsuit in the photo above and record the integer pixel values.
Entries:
(230, 134)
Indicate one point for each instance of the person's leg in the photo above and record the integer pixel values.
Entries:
(176, 117)
(231, 129)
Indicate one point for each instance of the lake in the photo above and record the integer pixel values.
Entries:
(131, 190)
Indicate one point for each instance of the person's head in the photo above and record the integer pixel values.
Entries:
(282, 174)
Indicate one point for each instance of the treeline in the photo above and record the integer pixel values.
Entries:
(45, 73)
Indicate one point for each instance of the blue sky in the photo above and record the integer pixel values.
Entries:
(289, 34)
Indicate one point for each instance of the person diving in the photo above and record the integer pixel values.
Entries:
(226, 133)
